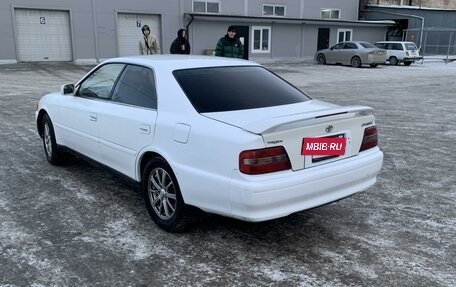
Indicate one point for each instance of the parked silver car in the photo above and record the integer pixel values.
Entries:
(354, 53)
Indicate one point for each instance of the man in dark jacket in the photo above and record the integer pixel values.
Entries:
(180, 45)
(230, 46)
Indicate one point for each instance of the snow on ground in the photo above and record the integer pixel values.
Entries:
(80, 225)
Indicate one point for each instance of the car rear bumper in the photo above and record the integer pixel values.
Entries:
(412, 59)
(375, 59)
(259, 200)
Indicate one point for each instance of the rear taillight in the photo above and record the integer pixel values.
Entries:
(265, 160)
(370, 138)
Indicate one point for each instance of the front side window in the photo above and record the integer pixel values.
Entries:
(136, 86)
(344, 35)
(206, 7)
(220, 89)
(99, 84)
(338, 46)
(330, 14)
(261, 39)
(273, 10)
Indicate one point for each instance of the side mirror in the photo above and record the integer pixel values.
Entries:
(67, 89)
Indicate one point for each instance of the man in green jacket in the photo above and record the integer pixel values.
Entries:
(230, 46)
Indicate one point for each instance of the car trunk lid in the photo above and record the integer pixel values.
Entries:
(289, 125)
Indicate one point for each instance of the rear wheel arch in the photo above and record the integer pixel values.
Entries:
(145, 158)
(393, 60)
(162, 195)
(356, 61)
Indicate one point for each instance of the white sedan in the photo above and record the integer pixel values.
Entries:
(224, 135)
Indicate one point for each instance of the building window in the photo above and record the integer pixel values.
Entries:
(206, 7)
(344, 35)
(273, 10)
(261, 40)
(330, 13)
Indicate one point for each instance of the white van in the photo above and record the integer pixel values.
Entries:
(398, 51)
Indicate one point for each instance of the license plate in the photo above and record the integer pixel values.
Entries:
(324, 146)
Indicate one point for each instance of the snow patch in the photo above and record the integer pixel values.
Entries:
(84, 194)
(121, 236)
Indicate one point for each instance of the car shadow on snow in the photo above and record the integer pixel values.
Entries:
(111, 189)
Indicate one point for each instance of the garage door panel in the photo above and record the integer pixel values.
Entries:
(129, 31)
(43, 35)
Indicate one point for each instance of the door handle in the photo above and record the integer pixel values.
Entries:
(93, 117)
(144, 129)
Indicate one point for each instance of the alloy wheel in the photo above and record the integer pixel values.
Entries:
(47, 140)
(162, 193)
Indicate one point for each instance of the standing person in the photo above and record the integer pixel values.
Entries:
(180, 45)
(230, 46)
(148, 44)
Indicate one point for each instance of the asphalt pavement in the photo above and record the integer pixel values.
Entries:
(80, 225)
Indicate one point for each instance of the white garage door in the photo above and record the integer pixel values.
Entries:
(129, 31)
(43, 35)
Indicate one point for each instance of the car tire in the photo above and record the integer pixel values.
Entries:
(321, 59)
(51, 149)
(408, 63)
(163, 198)
(373, 65)
(393, 61)
(356, 62)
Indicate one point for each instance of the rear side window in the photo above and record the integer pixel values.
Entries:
(221, 89)
(410, 46)
(350, 46)
(136, 86)
(397, 46)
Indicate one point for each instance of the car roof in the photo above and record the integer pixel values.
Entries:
(395, 42)
(175, 62)
(354, 42)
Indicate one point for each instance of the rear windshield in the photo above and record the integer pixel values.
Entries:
(220, 89)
